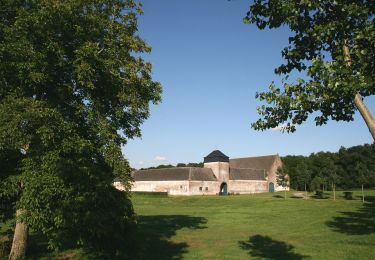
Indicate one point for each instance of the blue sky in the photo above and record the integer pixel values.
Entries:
(210, 65)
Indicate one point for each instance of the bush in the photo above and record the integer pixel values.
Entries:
(348, 195)
(319, 194)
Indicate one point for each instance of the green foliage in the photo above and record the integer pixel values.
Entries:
(73, 88)
(282, 177)
(162, 166)
(348, 195)
(320, 30)
(348, 168)
(316, 183)
(303, 175)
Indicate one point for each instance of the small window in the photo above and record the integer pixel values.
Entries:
(200, 188)
(206, 188)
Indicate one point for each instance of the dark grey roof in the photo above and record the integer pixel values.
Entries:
(216, 156)
(260, 162)
(247, 174)
(174, 174)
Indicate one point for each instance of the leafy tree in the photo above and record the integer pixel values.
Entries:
(290, 164)
(72, 90)
(181, 165)
(195, 164)
(164, 166)
(282, 178)
(333, 178)
(334, 43)
(361, 171)
(348, 168)
(304, 175)
(316, 185)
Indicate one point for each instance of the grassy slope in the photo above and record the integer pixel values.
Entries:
(239, 227)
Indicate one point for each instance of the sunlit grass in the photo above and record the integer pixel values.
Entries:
(260, 226)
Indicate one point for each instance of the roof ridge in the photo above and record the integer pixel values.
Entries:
(271, 155)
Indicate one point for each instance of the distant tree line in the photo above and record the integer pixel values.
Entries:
(177, 165)
(348, 168)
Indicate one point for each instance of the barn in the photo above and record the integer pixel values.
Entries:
(219, 175)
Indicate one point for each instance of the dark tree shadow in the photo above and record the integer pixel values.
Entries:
(266, 247)
(278, 196)
(154, 234)
(358, 222)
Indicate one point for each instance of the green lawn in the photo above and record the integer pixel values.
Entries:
(256, 226)
(262, 226)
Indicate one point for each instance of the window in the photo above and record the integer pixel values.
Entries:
(206, 188)
(180, 186)
(200, 188)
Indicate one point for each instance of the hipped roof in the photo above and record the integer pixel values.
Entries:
(216, 156)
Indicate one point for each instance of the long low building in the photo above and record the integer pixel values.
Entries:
(219, 175)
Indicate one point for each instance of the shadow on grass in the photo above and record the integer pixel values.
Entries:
(358, 222)
(266, 247)
(278, 196)
(154, 234)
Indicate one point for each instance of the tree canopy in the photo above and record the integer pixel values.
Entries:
(73, 89)
(333, 42)
(348, 168)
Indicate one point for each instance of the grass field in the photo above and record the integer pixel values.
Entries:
(261, 226)
(256, 226)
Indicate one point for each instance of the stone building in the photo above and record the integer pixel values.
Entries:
(219, 175)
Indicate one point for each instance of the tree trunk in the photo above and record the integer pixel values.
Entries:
(365, 113)
(363, 195)
(334, 191)
(305, 192)
(363, 110)
(19, 244)
(285, 193)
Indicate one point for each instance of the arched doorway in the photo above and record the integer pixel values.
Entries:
(271, 187)
(223, 189)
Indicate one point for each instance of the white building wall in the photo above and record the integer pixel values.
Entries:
(204, 188)
(172, 187)
(178, 187)
(247, 186)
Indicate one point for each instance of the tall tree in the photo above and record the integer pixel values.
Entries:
(334, 43)
(282, 179)
(304, 175)
(361, 171)
(73, 89)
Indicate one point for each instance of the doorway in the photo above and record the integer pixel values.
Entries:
(223, 189)
(271, 187)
